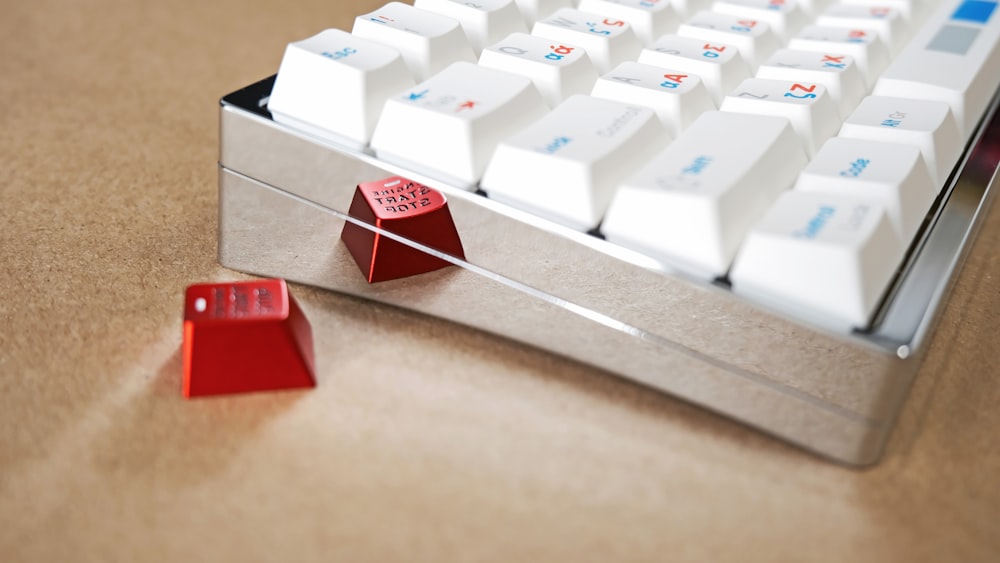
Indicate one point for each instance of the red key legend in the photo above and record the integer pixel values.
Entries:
(245, 336)
(405, 208)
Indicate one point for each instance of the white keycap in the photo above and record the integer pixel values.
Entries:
(812, 7)
(823, 257)
(557, 70)
(753, 38)
(783, 16)
(447, 127)
(566, 166)
(909, 9)
(720, 67)
(608, 41)
(929, 126)
(334, 85)
(694, 202)
(837, 73)
(485, 21)
(534, 10)
(953, 60)
(868, 51)
(886, 22)
(677, 98)
(649, 18)
(894, 175)
(687, 8)
(807, 106)
(428, 41)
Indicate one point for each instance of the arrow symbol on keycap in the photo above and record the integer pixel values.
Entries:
(414, 96)
(467, 105)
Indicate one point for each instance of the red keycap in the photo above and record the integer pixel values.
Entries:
(406, 208)
(245, 336)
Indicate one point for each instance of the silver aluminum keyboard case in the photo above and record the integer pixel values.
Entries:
(283, 197)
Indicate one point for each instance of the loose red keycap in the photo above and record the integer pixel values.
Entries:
(245, 336)
(405, 208)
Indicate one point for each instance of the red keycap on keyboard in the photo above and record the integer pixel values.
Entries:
(245, 336)
(405, 208)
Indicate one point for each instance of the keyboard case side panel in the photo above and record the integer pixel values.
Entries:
(833, 395)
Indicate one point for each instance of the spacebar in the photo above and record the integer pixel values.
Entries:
(953, 60)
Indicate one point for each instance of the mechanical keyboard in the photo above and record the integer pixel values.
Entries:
(757, 206)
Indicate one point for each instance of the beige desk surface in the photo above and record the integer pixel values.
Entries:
(423, 441)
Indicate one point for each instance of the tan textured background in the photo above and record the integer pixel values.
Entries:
(423, 441)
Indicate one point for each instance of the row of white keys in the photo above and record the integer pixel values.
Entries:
(426, 39)
(693, 203)
(335, 84)
(434, 33)
(565, 167)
